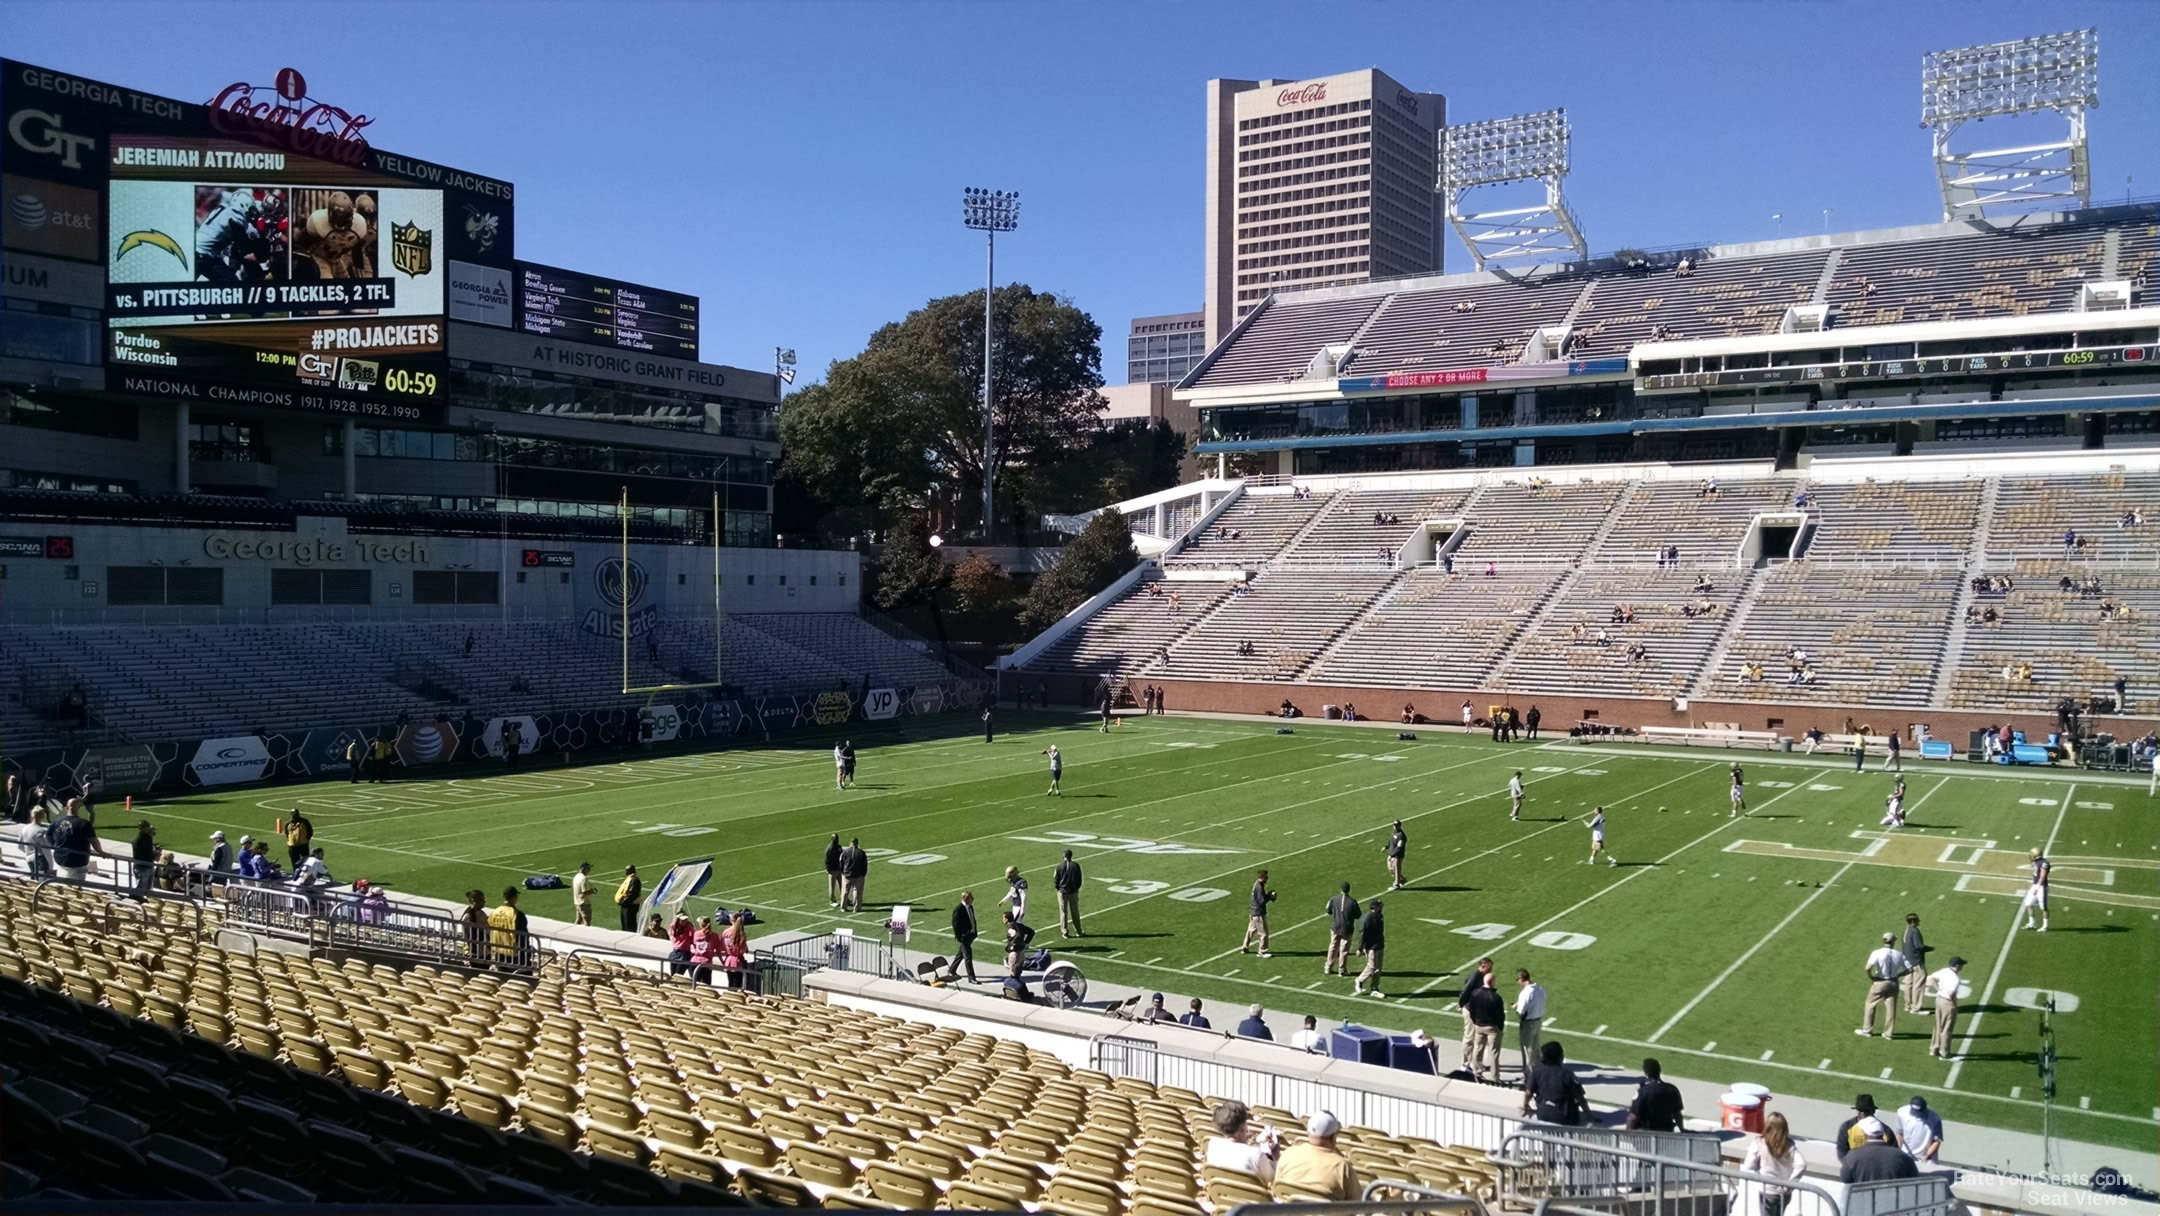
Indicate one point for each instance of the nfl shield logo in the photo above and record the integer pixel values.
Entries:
(412, 249)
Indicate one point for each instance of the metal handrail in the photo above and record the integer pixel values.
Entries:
(1363, 1206)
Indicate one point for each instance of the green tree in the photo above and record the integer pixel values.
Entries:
(909, 570)
(1119, 460)
(1096, 558)
(980, 587)
(899, 428)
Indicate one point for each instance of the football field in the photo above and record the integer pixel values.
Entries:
(1732, 948)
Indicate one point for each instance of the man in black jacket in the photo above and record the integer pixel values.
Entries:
(1065, 880)
(1863, 1108)
(1342, 913)
(1486, 1014)
(1372, 942)
(1878, 1158)
(832, 871)
(964, 931)
(1017, 937)
(1551, 1094)
(1256, 920)
(1530, 721)
(1471, 983)
(1657, 1106)
(854, 868)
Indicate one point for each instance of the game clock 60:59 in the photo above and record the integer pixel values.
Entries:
(411, 383)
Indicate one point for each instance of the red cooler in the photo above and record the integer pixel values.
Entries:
(1740, 1113)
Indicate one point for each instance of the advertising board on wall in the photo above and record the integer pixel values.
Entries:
(230, 760)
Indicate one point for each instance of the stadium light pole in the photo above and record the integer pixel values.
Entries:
(1499, 152)
(2051, 74)
(989, 212)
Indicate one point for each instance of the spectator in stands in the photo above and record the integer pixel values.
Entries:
(469, 641)
(653, 928)
(581, 894)
(1876, 1159)
(1194, 1018)
(1684, 267)
(680, 931)
(475, 919)
(265, 869)
(78, 705)
(1316, 1167)
(1490, 572)
(2070, 540)
(1657, 1106)
(220, 853)
(1847, 1136)
(508, 935)
(1551, 1094)
(1774, 1155)
(1242, 1144)
(1308, 1037)
(628, 896)
(735, 950)
(1254, 1026)
(312, 872)
(704, 948)
(144, 851)
(854, 872)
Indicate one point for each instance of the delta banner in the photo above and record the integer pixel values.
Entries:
(1482, 375)
(317, 754)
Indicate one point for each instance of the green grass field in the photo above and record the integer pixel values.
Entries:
(1731, 948)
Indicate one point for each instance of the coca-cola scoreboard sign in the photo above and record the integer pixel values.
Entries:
(256, 245)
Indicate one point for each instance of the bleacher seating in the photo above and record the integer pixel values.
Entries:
(2001, 273)
(1875, 635)
(2073, 653)
(1566, 656)
(1286, 618)
(193, 680)
(1707, 528)
(2134, 260)
(1894, 521)
(1282, 339)
(167, 1067)
(1473, 326)
(1262, 523)
(1345, 534)
(1438, 630)
(1516, 523)
(2031, 515)
(1131, 633)
(1716, 298)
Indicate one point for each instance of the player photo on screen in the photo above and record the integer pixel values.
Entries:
(240, 234)
(337, 237)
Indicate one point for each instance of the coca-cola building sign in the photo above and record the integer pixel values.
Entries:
(1302, 95)
(284, 116)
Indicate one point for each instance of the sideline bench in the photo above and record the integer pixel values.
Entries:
(1711, 736)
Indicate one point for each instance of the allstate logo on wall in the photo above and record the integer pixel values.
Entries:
(619, 584)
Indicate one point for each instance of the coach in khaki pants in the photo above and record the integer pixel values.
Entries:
(1883, 968)
(1342, 913)
(1945, 983)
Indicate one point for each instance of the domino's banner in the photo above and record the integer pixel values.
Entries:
(428, 744)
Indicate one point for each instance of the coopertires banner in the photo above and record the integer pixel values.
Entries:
(230, 761)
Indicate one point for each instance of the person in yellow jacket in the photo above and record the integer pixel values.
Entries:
(508, 941)
(298, 834)
(629, 897)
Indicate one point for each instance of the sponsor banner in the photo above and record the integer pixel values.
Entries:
(722, 718)
(322, 752)
(660, 723)
(429, 742)
(929, 700)
(880, 703)
(26, 276)
(527, 736)
(22, 546)
(552, 559)
(132, 769)
(832, 708)
(507, 348)
(1482, 375)
(49, 218)
(230, 761)
(618, 583)
(480, 294)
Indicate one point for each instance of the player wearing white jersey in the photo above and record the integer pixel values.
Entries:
(1514, 793)
(1597, 839)
(1894, 809)
(2036, 894)
(1739, 792)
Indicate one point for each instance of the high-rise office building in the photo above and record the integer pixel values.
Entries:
(1160, 350)
(1318, 182)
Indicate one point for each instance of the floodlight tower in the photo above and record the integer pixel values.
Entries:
(1498, 151)
(989, 212)
(2054, 73)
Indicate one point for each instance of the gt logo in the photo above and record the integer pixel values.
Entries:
(39, 131)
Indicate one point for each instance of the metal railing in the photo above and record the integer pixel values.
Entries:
(1563, 1168)
(1121, 1056)
(840, 952)
(1371, 1205)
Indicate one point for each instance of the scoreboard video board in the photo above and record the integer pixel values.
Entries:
(575, 307)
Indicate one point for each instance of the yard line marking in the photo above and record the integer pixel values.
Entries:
(1972, 1027)
(1776, 929)
(1766, 1055)
(1314, 984)
(1432, 983)
(1599, 1030)
(1566, 821)
(1885, 1074)
(1151, 962)
(1113, 954)
(1625, 879)
(2015, 1090)
(1710, 1046)
(1231, 972)
(2084, 1103)
(1825, 1067)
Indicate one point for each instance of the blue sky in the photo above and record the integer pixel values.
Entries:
(799, 165)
